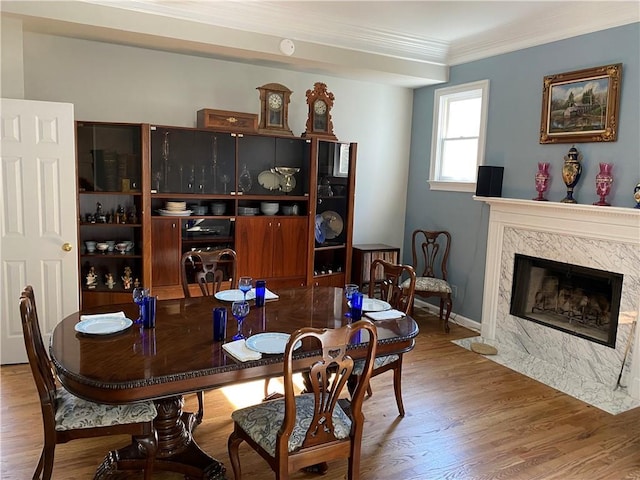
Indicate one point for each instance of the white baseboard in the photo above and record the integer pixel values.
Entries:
(454, 318)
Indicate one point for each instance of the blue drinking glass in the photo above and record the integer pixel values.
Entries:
(239, 310)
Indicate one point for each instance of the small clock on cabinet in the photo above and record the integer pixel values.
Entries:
(320, 102)
(274, 109)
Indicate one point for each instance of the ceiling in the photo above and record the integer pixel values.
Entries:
(404, 43)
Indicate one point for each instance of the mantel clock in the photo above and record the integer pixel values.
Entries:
(320, 102)
(274, 109)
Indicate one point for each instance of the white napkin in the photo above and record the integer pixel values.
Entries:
(239, 351)
(101, 316)
(268, 294)
(385, 315)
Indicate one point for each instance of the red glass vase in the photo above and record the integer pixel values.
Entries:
(603, 183)
(542, 180)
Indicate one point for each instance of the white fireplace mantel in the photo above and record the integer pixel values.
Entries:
(606, 238)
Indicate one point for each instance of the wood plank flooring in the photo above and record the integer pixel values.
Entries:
(467, 418)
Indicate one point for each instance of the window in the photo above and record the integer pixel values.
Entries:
(457, 144)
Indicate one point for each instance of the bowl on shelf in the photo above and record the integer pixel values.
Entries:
(218, 208)
(91, 246)
(269, 208)
(248, 211)
(102, 247)
(122, 247)
(198, 209)
(111, 245)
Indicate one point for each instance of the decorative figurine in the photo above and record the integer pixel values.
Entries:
(542, 180)
(604, 179)
(571, 171)
(126, 278)
(100, 216)
(121, 214)
(636, 195)
(92, 279)
(133, 214)
(136, 283)
(110, 282)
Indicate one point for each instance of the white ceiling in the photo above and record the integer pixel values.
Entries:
(406, 43)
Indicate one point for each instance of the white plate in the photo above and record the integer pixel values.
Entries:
(233, 295)
(333, 224)
(174, 213)
(374, 305)
(269, 342)
(269, 180)
(103, 326)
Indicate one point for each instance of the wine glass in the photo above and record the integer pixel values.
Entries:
(349, 290)
(244, 284)
(139, 294)
(239, 310)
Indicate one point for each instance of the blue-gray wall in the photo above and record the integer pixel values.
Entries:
(515, 100)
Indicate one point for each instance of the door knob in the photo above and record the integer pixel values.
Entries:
(66, 247)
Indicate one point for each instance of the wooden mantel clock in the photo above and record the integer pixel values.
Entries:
(320, 102)
(274, 109)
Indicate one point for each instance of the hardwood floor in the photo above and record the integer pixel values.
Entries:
(467, 418)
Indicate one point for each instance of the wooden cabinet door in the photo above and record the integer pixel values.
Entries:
(289, 247)
(165, 251)
(254, 246)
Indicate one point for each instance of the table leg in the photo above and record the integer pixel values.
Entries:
(177, 451)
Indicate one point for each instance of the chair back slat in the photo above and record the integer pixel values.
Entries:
(431, 250)
(36, 352)
(390, 288)
(328, 377)
(210, 268)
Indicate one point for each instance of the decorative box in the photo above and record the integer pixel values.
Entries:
(228, 121)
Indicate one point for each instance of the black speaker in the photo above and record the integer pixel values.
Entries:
(489, 182)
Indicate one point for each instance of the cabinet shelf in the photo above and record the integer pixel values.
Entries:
(114, 255)
(330, 247)
(110, 225)
(100, 192)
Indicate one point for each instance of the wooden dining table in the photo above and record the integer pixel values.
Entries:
(179, 356)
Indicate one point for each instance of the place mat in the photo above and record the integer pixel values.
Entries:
(240, 352)
(102, 316)
(385, 314)
(483, 348)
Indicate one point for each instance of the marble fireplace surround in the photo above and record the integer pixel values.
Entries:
(605, 238)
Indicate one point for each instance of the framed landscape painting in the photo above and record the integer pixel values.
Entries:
(581, 106)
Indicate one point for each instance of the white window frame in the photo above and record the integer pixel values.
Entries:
(442, 97)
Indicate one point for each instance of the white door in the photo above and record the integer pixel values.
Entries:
(39, 217)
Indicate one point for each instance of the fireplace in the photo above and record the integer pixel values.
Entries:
(578, 300)
(604, 371)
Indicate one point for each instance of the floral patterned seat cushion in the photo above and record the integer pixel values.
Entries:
(262, 422)
(74, 413)
(429, 284)
(358, 365)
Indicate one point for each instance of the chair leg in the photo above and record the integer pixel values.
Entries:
(397, 385)
(449, 305)
(200, 413)
(39, 467)
(233, 446)
(48, 451)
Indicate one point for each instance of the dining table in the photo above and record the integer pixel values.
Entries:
(179, 356)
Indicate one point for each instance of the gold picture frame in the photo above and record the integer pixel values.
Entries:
(581, 106)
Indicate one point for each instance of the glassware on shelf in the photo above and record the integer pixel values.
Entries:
(289, 182)
(165, 159)
(214, 165)
(225, 179)
(245, 182)
(192, 180)
(239, 310)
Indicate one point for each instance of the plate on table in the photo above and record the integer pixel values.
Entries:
(103, 326)
(233, 295)
(374, 305)
(333, 224)
(174, 213)
(269, 342)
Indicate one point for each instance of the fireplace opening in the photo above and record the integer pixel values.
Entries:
(574, 299)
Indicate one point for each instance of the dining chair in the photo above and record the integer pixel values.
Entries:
(313, 427)
(66, 417)
(396, 286)
(209, 268)
(430, 249)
